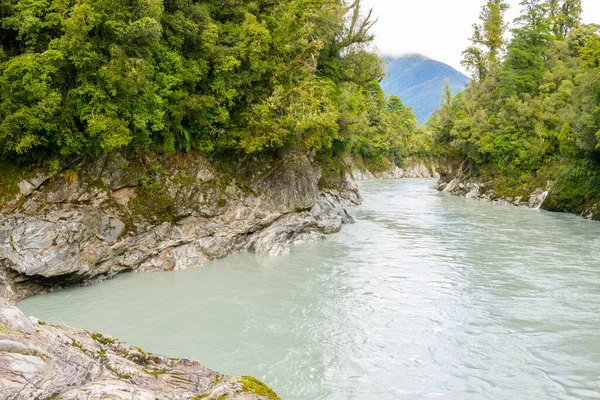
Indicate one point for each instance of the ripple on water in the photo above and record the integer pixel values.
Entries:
(427, 296)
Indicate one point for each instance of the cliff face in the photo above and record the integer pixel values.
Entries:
(40, 361)
(142, 213)
(412, 168)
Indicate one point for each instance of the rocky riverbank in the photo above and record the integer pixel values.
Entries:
(538, 193)
(40, 361)
(142, 212)
(472, 189)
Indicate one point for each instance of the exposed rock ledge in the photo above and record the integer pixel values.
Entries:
(137, 213)
(39, 361)
(454, 181)
(412, 168)
(485, 192)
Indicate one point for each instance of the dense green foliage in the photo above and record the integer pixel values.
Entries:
(90, 76)
(535, 113)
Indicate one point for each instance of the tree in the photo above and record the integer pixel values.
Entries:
(487, 40)
(395, 104)
(565, 15)
(523, 69)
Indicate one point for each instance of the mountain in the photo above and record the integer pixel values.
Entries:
(419, 82)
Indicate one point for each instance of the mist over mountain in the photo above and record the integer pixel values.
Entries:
(419, 81)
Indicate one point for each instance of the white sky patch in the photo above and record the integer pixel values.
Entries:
(439, 29)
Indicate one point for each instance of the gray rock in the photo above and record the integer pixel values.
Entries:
(14, 319)
(468, 187)
(412, 168)
(26, 188)
(33, 182)
(111, 229)
(83, 227)
(452, 186)
(473, 191)
(363, 175)
(40, 361)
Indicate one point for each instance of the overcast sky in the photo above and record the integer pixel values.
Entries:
(439, 29)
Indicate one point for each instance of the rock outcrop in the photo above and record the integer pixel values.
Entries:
(143, 213)
(40, 361)
(485, 191)
(412, 168)
(455, 181)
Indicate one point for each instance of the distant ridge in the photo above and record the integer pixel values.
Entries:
(419, 82)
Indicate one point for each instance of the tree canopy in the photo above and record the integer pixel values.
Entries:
(537, 115)
(92, 76)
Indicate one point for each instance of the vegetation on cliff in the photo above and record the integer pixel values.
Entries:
(532, 112)
(223, 77)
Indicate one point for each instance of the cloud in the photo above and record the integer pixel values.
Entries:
(439, 29)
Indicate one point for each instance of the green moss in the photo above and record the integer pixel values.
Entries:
(183, 179)
(150, 184)
(179, 378)
(10, 177)
(100, 338)
(253, 385)
(75, 343)
(154, 372)
(333, 172)
(159, 207)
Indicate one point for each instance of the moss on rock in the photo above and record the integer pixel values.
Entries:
(253, 385)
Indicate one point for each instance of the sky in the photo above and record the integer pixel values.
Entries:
(439, 29)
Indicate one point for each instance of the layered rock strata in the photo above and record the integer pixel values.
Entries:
(412, 168)
(39, 361)
(146, 213)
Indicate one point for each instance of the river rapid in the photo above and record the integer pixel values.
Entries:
(427, 296)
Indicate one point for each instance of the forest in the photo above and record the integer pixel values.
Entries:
(532, 112)
(235, 77)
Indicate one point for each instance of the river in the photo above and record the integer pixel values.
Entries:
(427, 296)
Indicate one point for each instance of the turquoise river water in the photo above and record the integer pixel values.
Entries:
(427, 296)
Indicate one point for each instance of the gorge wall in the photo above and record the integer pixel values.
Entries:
(539, 191)
(144, 212)
(411, 168)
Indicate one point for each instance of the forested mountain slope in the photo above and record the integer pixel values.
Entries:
(531, 117)
(419, 81)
